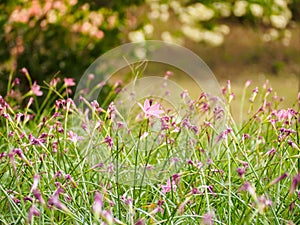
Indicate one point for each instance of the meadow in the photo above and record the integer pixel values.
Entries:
(60, 164)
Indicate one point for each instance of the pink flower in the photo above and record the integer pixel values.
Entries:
(33, 211)
(36, 179)
(35, 88)
(69, 82)
(295, 182)
(151, 110)
(54, 82)
(109, 141)
(54, 201)
(168, 187)
(248, 187)
(98, 204)
(208, 218)
(73, 137)
(275, 181)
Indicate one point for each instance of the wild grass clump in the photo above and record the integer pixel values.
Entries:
(60, 164)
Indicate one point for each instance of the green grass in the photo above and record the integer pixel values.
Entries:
(70, 165)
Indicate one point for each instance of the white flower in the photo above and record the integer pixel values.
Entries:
(213, 38)
(224, 29)
(166, 36)
(136, 36)
(192, 33)
(256, 10)
(164, 16)
(148, 29)
(224, 8)
(279, 21)
(240, 8)
(281, 3)
(186, 18)
(154, 14)
(175, 5)
(200, 12)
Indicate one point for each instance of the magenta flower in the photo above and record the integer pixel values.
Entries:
(109, 141)
(295, 182)
(37, 194)
(69, 82)
(168, 187)
(248, 187)
(98, 204)
(73, 137)
(208, 218)
(151, 110)
(35, 88)
(54, 82)
(241, 171)
(140, 222)
(276, 180)
(54, 201)
(36, 179)
(33, 211)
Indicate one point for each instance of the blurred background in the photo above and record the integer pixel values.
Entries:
(239, 39)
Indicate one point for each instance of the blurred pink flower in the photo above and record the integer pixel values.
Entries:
(98, 204)
(168, 187)
(69, 82)
(33, 211)
(208, 218)
(35, 88)
(151, 110)
(295, 182)
(73, 137)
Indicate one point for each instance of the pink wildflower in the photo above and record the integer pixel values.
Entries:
(295, 182)
(33, 211)
(54, 82)
(54, 200)
(151, 110)
(35, 88)
(275, 181)
(168, 187)
(98, 204)
(208, 218)
(73, 137)
(69, 82)
(109, 141)
(140, 222)
(248, 187)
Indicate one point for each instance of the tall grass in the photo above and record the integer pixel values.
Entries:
(100, 171)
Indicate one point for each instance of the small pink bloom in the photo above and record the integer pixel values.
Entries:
(54, 82)
(54, 200)
(140, 222)
(168, 187)
(37, 194)
(98, 204)
(73, 137)
(35, 88)
(248, 187)
(33, 211)
(91, 76)
(36, 179)
(109, 141)
(151, 110)
(208, 218)
(248, 83)
(275, 181)
(241, 171)
(295, 182)
(16, 81)
(69, 82)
